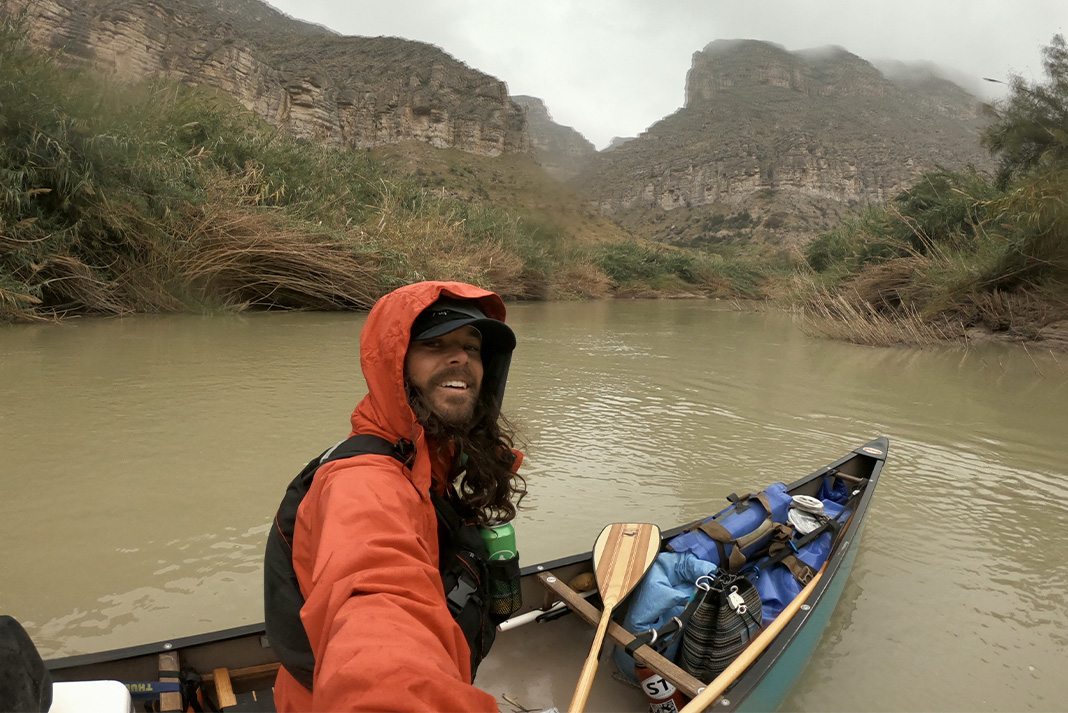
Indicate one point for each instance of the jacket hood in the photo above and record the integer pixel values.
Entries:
(384, 342)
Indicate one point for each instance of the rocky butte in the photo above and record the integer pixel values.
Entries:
(358, 92)
(776, 146)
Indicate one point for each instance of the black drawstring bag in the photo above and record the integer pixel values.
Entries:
(726, 619)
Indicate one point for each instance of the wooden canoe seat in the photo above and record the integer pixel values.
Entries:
(222, 680)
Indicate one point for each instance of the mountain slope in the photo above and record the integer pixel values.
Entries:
(561, 150)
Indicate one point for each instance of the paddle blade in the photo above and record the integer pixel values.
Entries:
(622, 555)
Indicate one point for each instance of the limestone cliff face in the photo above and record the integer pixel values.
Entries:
(777, 146)
(561, 150)
(342, 91)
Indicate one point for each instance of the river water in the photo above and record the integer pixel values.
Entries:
(141, 461)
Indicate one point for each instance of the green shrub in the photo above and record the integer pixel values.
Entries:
(945, 210)
(1030, 128)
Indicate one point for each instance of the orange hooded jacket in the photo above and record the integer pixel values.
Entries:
(365, 549)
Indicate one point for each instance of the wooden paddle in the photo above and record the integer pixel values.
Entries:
(622, 555)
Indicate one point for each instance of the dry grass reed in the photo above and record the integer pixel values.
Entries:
(251, 259)
(19, 306)
(72, 284)
(435, 244)
(849, 317)
(582, 280)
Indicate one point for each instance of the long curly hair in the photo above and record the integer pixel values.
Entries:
(485, 488)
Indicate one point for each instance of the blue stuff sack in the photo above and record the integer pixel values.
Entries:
(745, 524)
(776, 585)
(661, 595)
(834, 489)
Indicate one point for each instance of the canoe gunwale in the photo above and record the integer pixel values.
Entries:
(156, 647)
(248, 630)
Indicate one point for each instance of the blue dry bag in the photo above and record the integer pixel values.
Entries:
(662, 594)
(738, 531)
(776, 583)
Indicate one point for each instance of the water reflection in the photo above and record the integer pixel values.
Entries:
(144, 458)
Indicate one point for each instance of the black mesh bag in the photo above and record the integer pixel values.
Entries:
(505, 595)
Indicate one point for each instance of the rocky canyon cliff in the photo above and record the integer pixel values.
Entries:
(357, 92)
(561, 150)
(776, 146)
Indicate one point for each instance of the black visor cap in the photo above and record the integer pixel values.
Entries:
(447, 315)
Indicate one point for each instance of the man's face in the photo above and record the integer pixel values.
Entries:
(447, 372)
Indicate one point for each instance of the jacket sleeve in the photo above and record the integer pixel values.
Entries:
(365, 552)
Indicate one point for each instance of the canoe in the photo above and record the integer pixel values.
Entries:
(539, 653)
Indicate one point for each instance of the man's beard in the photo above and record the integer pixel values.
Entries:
(447, 427)
(487, 485)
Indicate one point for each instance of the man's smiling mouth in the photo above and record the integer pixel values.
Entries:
(454, 384)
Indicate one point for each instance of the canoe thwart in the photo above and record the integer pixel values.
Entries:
(645, 654)
(852, 479)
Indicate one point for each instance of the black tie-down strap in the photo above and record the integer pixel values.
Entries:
(736, 559)
(784, 549)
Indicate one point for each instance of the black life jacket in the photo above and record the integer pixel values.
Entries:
(462, 564)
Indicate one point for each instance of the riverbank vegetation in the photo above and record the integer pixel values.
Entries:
(155, 197)
(960, 255)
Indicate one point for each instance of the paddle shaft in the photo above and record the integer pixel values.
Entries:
(713, 691)
(589, 669)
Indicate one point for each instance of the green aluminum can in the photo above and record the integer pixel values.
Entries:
(500, 540)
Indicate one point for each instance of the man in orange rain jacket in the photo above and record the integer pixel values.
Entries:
(371, 543)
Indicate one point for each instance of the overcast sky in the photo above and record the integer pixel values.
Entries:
(614, 67)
